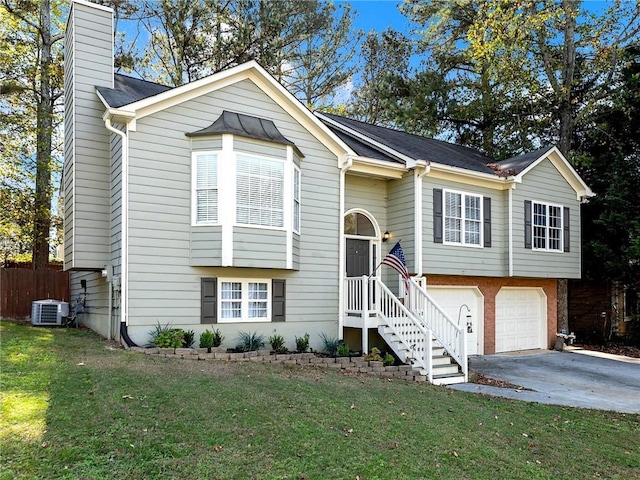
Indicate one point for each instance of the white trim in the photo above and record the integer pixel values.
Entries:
(462, 242)
(345, 164)
(94, 5)
(227, 190)
(409, 161)
(244, 300)
(124, 221)
(287, 206)
(262, 79)
(566, 170)
(547, 227)
(419, 173)
(510, 245)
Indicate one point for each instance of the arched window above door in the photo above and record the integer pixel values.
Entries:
(358, 224)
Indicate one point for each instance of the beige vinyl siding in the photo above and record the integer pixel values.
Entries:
(206, 246)
(89, 63)
(259, 248)
(163, 287)
(96, 315)
(296, 251)
(545, 184)
(258, 147)
(444, 259)
(368, 194)
(116, 203)
(206, 143)
(401, 214)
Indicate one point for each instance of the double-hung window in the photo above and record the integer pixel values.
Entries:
(547, 227)
(259, 191)
(462, 218)
(245, 300)
(206, 187)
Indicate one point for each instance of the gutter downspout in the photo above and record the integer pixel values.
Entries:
(346, 165)
(124, 233)
(511, 230)
(422, 169)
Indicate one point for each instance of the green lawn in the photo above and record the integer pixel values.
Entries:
(73, 407)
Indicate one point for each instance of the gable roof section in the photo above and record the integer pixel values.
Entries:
(408, 146)
(163, 99)
(528, 162)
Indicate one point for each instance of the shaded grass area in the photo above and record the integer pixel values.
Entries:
(95, 412)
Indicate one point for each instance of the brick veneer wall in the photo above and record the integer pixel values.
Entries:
(490, 286)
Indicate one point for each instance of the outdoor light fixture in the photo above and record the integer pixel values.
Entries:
(386, 236)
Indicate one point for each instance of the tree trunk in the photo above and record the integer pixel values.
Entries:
(565, 114)
(563, 305)
(42, 214)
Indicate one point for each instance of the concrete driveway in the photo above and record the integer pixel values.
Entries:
(575, 377)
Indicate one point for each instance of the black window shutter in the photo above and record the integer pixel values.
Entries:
(527, 224)
(278, 300)
(209, 307)
(487, 221)
(566, 221)
(437, 215)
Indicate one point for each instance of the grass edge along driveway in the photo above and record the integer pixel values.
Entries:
(74, 407)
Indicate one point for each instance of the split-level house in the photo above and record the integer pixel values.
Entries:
(225, 203)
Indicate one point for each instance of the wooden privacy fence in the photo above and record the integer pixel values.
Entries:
(19, 287)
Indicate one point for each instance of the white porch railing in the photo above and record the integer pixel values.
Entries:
(415, 323)
(452, 337)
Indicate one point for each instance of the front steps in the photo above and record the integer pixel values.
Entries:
(445, 370)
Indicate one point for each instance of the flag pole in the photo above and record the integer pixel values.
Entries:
(380, 264)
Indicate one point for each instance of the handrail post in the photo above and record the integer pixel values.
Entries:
(365, 314)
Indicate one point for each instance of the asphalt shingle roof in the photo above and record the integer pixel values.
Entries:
(129, 90)
(415, 146)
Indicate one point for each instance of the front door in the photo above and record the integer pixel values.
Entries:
(357, 257)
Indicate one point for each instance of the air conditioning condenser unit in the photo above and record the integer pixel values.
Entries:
(49, 312)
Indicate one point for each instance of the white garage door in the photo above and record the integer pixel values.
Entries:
(451, 300)
(521, 319)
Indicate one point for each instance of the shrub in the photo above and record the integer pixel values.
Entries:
(153, 334)
(170, 339)
(302, 343)
(206, 340)
(249, 341)
(218, 338)
(374, 356)
(388, 359)
(277, 344)
(331, 344)
(343, 350)
(189, 339)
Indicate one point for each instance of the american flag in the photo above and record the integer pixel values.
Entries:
(395, 259)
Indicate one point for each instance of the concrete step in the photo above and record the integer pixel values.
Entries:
(446, 369)
(448, 379)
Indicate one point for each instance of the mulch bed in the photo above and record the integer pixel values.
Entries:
(625, 350)
(492, 382)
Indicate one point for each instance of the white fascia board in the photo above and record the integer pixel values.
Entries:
(409, 161)
(377, 167)
(93, 5)
(270, 86)
(559, 161)
(469, 177)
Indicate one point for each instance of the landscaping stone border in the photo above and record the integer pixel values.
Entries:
(344, 364)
